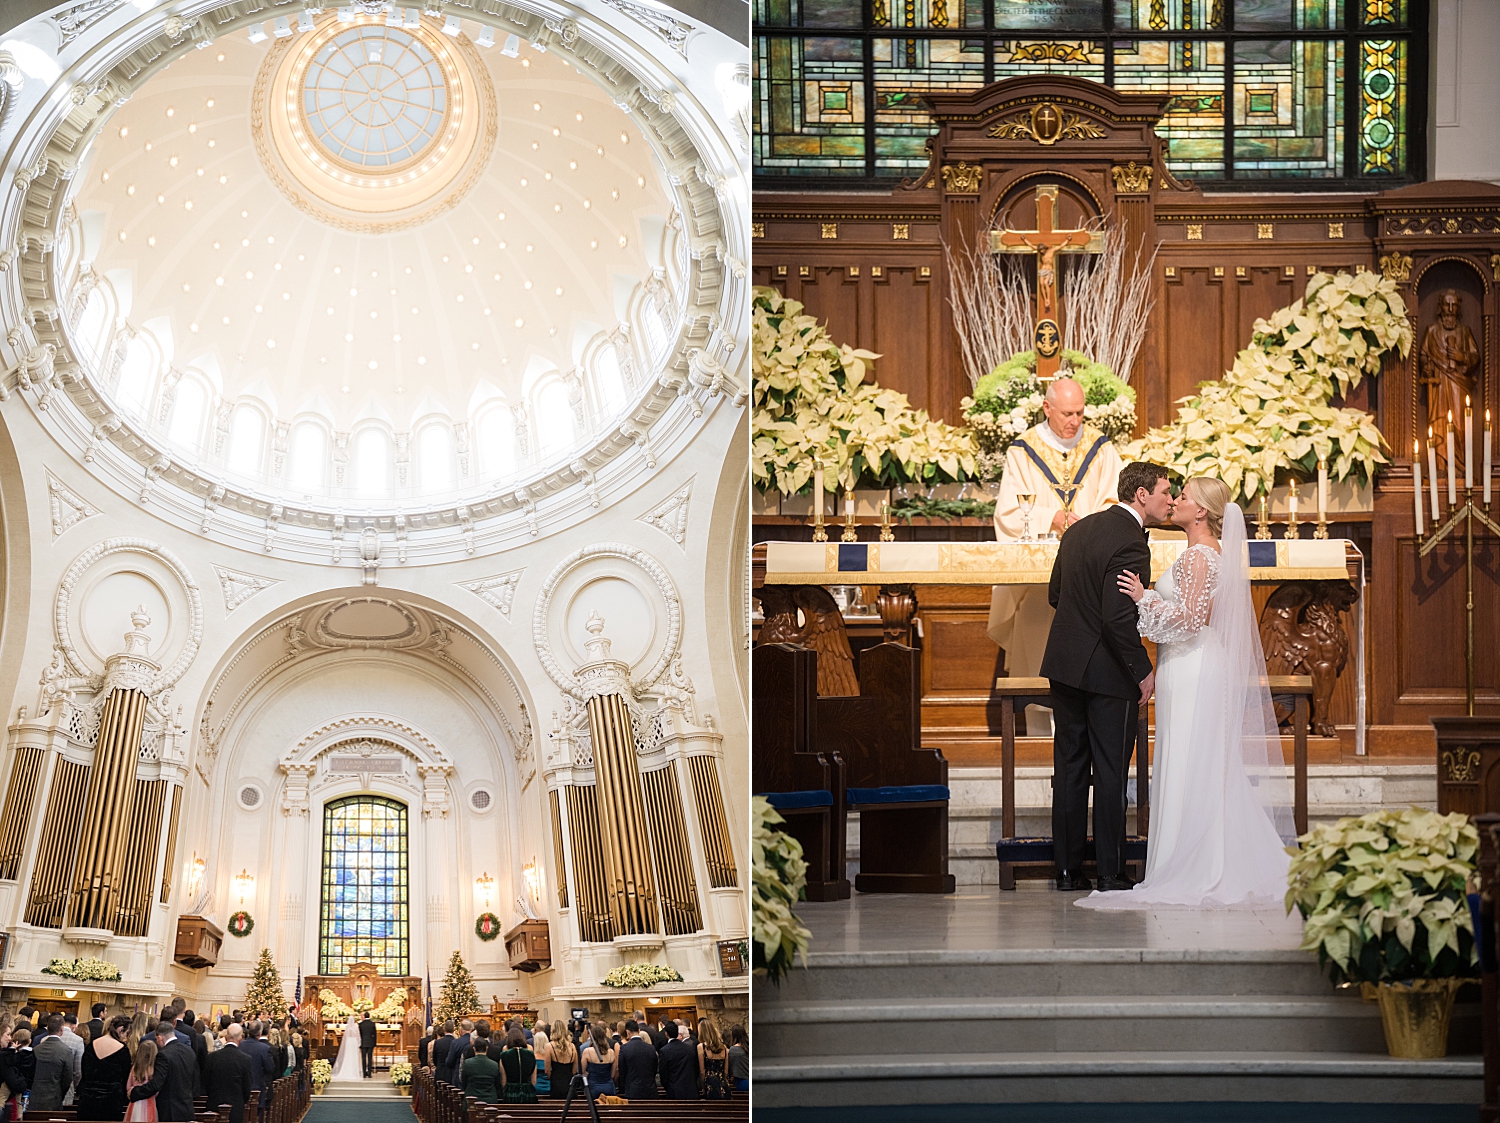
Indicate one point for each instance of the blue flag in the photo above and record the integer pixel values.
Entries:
(429, 995)
(297, 996)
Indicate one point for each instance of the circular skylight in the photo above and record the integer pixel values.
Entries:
(374, 97)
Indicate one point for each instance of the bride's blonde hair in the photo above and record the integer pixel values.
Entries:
(1213, 496)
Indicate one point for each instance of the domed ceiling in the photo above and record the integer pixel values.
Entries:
(367, 220)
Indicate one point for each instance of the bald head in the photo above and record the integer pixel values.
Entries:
(1063, 405)
(235, 1032)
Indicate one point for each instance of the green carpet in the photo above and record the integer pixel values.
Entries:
(394, 1110)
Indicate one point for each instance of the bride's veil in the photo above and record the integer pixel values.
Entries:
(1244, 688)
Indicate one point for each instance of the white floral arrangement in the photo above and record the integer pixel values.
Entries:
(1383, 896)
(320, 1070)
(641, 975)
(401, 1073)
(85, 968)
(779, 875)
(332, 1006)
(1271, 411)
(391, 1008)
(812, 400)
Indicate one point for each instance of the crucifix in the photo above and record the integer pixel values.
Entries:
(1046, 242)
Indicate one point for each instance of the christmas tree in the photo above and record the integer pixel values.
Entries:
(265, 988)
(458, 996)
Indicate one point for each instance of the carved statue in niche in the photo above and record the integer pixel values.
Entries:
(821, 628)
(1302, 634)
(1449, 356)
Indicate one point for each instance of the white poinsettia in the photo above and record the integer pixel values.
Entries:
(641, 975)
(1271, 411)
(779, 875)
(86, 968)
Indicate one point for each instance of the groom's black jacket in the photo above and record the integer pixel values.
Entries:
(1094, 645)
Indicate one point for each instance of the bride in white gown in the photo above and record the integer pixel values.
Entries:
(1220, 807)
(347, 1066)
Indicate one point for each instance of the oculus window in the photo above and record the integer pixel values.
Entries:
(374, 97)
(364, 913)
(1260, 90)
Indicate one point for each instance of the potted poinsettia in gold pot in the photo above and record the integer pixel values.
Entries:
(1383, 902)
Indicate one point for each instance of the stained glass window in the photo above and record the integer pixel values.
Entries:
(364, 915)
(1259, 90)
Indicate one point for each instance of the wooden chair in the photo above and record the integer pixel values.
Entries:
(805, 786)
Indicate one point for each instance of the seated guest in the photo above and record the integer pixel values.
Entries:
(106, 1063)
(637, 1064)
(679, 1067)
(226, 1076)
(481, 1075)
(517, 1070)
(601, 1063)
(54, 1068)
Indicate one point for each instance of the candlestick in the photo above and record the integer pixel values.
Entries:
(886, 534)
(1263, 520)
(1432, 473)
(850, 533)
(1416, 482)
(1486, 458)
(817, 491)
(1321, 530)
(1452, 483)
(1291, 510)
(1468, 445)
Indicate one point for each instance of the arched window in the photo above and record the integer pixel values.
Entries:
(555, 424)
(609, 381)
(497, 442)
(364, 914)
(134, 389)
(309, 456)
(372, 463)
(246, 433)
(654, 328)
(93, 328)
(435, 458)
(187, 413)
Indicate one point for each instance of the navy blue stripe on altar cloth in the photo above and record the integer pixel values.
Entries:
(1262, 554)
(1065, 495)
(854, 557)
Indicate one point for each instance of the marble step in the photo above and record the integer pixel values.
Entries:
(1112, 1077)
(1333, 1023)
(378, 1087)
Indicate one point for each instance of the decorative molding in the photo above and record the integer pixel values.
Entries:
(648, 565)
(828, 230)
(675, 32)
(68, 510)
(962, 178)
(1265, 231)
(1195, 232)
(1460, 765)
(498, 592)
(671, 514)
(240, 587)
(1335, 229)
(1444, 224)
(1132, 178)
(80, 17)
(1396, 266)
(1046, 124)
(1495, 266)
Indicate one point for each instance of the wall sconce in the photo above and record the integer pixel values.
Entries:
(244, 881)
(486, 886)
(533, 886)
(654, 1001)
(195, 875)
(70, 994)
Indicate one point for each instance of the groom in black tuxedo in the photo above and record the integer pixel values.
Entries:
(1099, 672)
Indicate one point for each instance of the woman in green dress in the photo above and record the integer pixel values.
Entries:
(517, 1070)
(482, 1074)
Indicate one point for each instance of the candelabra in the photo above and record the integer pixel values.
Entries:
(820, 529)
(886, 533)
(850, 533)
(1466, 514)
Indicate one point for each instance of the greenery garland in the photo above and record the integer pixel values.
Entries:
(487, 927)
(241, 924)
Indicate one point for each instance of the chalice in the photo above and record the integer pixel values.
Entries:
(1027, 501)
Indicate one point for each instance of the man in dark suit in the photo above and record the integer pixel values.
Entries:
(262, 1063)
(657, 1034)
(96, 1021)
(197, 1043)
(637, 1065)
(1099, 673)
(367, 1045)
(456, 1055)
(174, 1080)
(227, 1076)
(440, 1050)
(679, 1066)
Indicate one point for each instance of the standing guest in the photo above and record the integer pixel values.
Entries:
(517, 1070)
(481, 1033)
(74, 1042)
(196, 1043)
(262, 1064)
(55, 1074)
(713, 1062)
(601, 1061)
(481, 1075)
(424, 1045)
(540, 1046)
(173, 1078)
(562, 1056)
(367, 1045)
(656, 1033)
(227, 1076)
(26, 1018)
(440, 1050)
(140, 1028)
(96, 1020)
(17, 1069)
(142, 1069)
(278, 1052)
(637, 1064)
(294, 1057)
(679, 1067)
(106, 1061)
(739, 1058)
(459, 1053)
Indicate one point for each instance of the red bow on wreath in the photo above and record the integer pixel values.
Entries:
(487, 927)
(241, 924)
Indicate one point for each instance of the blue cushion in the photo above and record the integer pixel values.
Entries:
(910, 793)
(793, 801)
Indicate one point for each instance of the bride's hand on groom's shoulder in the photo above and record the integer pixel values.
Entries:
(1131, 586)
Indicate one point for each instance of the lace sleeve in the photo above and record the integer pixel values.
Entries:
(1195, 576)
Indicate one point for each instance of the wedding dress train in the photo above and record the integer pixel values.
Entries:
(347, 1066)
(1220, 807)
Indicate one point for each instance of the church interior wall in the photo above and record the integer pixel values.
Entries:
(1465, 90)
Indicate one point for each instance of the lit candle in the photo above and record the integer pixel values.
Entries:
(1452, 484)
(818, 490)
(1291, 505)
(1432, 473)
(1322, 489)
(849, 501)
(1468, 444)
(1416, 481)
(1486, 458)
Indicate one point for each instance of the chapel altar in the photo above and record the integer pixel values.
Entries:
(394, 1002)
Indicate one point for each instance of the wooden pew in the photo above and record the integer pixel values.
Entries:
(899, 788)
(806, 786)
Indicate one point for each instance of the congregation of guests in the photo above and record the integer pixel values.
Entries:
(142, 1068)
(630, 1059)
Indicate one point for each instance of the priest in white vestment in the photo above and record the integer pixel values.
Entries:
(1071, 470)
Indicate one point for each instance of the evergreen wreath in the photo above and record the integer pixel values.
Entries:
(241, 924)
(487, 927)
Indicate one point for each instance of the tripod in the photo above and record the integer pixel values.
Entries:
(578, 1082)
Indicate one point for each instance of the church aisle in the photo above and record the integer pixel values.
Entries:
(391, 1109)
